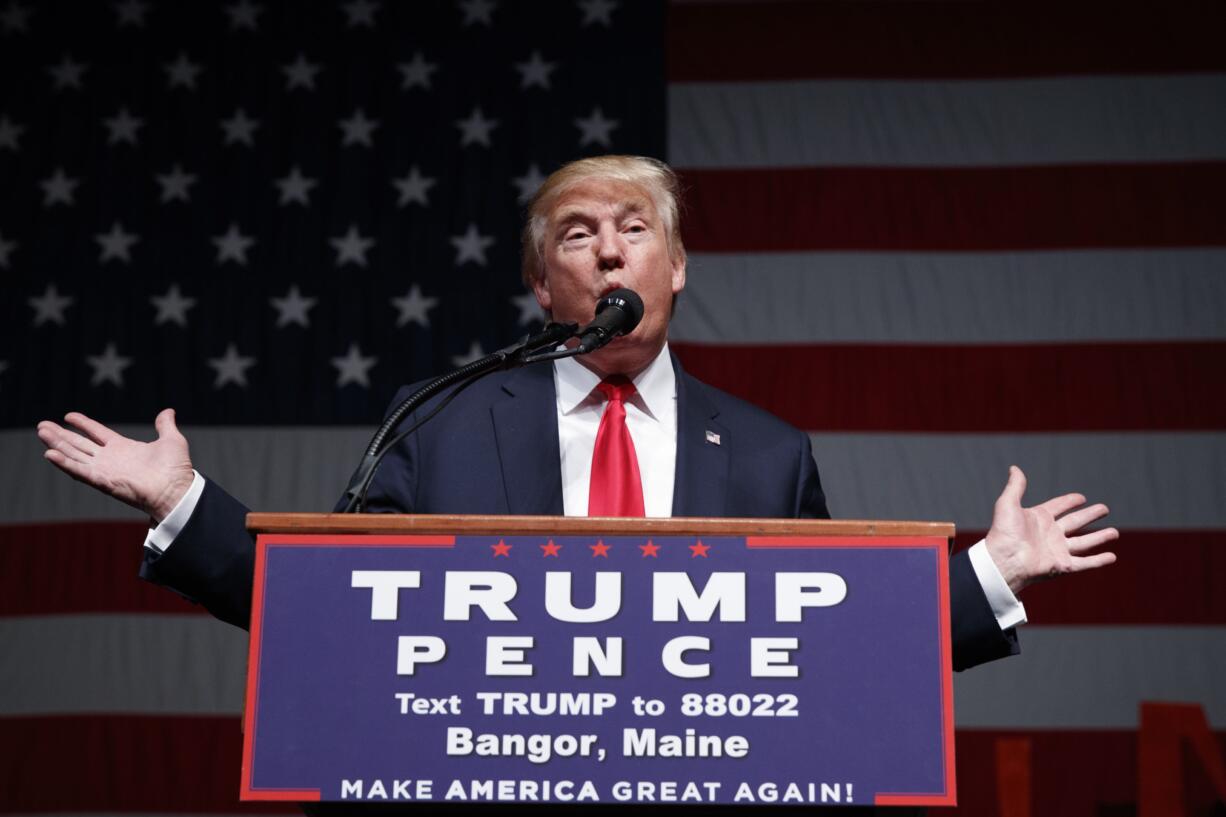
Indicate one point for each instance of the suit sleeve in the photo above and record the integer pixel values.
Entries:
(212, 559)
(974, 633)
(975, 636)
(810, 499)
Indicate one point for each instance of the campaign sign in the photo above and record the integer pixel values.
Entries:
(586, 669)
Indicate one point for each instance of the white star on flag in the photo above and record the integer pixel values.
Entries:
(182, 72)
(67, 74)
(232, 246)
(413, 188)
(50, 306)
(416, 73)
(353, 367)
(413, 307)
(471, 246)
(530, 311)
(174, 185)
(295, 188)
(360, 13)
(595, 129)
(6, 248)
(474, 353)
(300, 73)
(171, 307)
(351, 247)
(116, 244)
(243, 14)
(535, 71)
(597, 11)
(10, 133)
(122, 127)
(58, 188)
(477, 11)
(131, 13)
(293, 308)
(357, 129)
(528, 183)
(476, 128)
(108, 367)
(239, 128)
(15, 17)
(231, 368)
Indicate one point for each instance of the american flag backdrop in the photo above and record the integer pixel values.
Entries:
(940, 236)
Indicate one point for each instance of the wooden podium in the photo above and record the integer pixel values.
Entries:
(586, 660)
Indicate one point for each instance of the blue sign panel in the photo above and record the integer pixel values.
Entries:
(620, 669)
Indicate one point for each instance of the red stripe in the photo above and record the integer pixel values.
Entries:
(67, 572)
(1080, 387)
(96, 763)
(1161, 577)
(185, 765)
(977, 208)
(79, 567)
(765, 41)
(1071, 772)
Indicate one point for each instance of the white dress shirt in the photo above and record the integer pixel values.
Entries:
(651, 418)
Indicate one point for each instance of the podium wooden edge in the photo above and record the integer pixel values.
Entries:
(307, 523)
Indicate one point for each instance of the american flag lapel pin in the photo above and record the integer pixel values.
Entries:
(712, 437)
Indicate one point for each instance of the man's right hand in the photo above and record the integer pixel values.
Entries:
(151, 477)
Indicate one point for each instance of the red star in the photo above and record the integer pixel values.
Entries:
(699, 549)
(650, 550)
(550, 549)
(599, 549)
(501, 549)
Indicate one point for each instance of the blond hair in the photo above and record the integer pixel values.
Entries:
(655, 177)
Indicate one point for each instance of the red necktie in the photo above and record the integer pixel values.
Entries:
(616, 488)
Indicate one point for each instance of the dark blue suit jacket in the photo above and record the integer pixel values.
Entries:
(494, 450)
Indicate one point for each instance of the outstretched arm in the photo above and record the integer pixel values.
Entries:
(1030, 544)
(151, 477)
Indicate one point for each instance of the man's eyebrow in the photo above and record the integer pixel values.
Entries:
(570, 214)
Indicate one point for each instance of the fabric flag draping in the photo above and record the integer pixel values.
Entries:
(946, 237)
(941, 237)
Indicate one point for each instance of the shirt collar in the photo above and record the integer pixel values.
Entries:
(655, 385)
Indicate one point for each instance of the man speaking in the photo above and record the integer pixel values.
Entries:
(622, 431)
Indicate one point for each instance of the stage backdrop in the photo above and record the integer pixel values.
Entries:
(942, 237)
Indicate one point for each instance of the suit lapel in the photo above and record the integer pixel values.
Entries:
(700, 486)
(526, 430)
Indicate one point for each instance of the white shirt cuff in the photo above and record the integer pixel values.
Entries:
(164, 535)
(1005, 606)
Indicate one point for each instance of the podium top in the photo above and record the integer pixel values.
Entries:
(475, 525)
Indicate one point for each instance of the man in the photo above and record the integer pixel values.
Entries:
(523, 442)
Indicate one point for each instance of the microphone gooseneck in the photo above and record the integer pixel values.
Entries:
(617, 313)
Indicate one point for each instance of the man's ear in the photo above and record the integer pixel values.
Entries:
(540, 288)
(679, 275)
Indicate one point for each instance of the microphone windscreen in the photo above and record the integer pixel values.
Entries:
(628, 301)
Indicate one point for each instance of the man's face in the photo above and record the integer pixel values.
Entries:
(603, 235)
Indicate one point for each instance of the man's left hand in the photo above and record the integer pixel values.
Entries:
(1029, 544)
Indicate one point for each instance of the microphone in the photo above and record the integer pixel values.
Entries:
(616, 314)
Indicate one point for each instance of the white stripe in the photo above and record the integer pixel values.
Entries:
(289, 469)
(943, 123)
(1150, 481)
(1167, 480)
(1094, 678)
(917, 297)
(1067, 677)
(191, 665)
